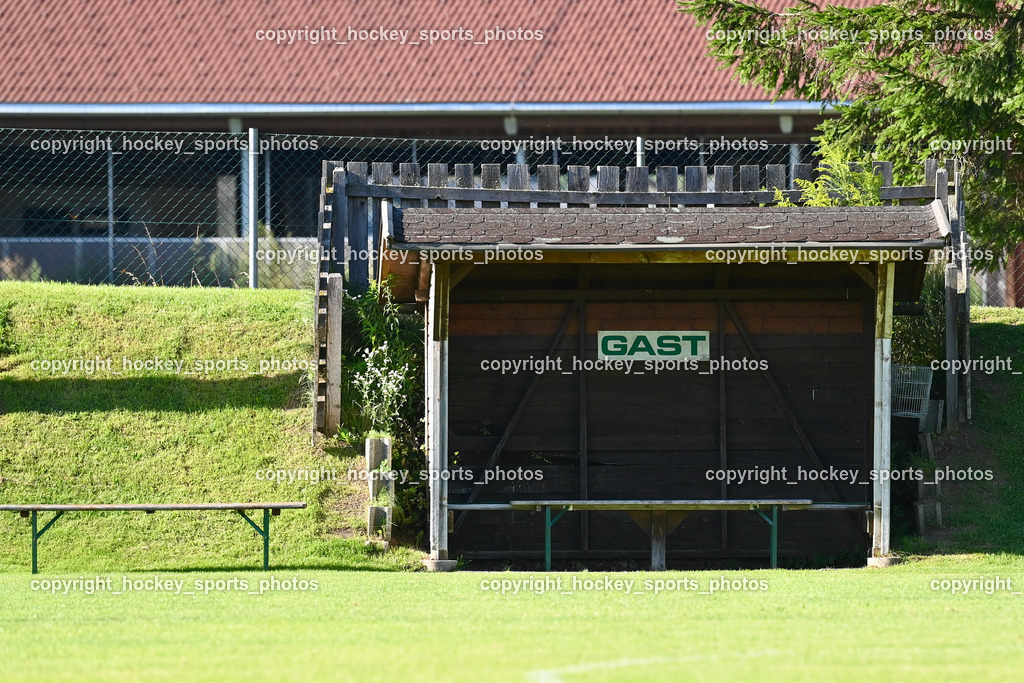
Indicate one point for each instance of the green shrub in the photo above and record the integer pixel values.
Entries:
(920, 339)
(382, 390)
(838, 184)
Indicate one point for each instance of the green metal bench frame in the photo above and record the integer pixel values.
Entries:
(661, 508)
(269, 509)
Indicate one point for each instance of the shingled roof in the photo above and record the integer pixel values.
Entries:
(196, 51)
(670, 228)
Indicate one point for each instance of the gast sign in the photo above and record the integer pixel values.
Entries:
(653, 344)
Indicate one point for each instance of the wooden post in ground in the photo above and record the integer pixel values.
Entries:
(332, 406)
(378, 514)
(880, 518)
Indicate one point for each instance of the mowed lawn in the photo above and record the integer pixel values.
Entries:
(851, 624)
(205, 431)
(159, 436)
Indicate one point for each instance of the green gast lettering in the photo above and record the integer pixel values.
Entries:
(654, 344)
(619, 349)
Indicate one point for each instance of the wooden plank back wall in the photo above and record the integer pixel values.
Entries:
(655, 436)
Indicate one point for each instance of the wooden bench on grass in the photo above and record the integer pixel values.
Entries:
(660, 517)
(241, 508)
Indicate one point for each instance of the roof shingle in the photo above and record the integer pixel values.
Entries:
(663, 227)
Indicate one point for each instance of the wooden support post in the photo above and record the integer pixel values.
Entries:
(336, 241)
(775, 176)
(328, 227)
(332, 407)
(882, 419)
(358, 244)
(942, 187)
(437, 409)
(950, 165)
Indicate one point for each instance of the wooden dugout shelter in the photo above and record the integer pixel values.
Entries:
(810, 320)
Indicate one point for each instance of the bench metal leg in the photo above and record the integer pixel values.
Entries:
(773, 522)
(264, 534)
(548, 523)
(37, 534)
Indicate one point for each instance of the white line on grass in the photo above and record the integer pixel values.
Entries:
(556, 675)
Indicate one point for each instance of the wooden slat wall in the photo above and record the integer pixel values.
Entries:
(655, 436)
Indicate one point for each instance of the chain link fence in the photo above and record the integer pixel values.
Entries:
(1003, 286)
(199, 209)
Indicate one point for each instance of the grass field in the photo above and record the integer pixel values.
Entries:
(159, 436)
(843, 625)
(987, 516)
(116, 435)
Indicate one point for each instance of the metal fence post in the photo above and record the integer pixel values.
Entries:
(251, 199)
(110, 215)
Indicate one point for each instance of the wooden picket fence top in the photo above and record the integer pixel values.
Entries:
(664, 186)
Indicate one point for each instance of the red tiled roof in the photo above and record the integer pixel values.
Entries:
(189, 51)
